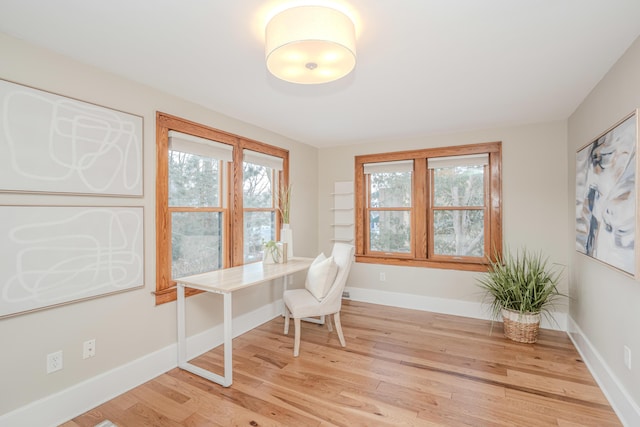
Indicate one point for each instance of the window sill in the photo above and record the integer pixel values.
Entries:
(409, 262)
(170, 294)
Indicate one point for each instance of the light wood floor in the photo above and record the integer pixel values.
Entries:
(400, 367)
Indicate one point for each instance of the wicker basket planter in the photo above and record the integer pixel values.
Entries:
(519, 287)
(521, 327)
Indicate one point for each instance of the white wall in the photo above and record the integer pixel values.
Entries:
(605, 303)
(534, 211)
(126, 326)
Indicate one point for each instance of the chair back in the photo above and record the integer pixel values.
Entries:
(343, 256)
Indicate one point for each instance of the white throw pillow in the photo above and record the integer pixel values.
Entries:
(320, 276)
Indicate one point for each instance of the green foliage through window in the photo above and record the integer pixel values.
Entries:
(389, 219)
(458, 232)
(193, 180)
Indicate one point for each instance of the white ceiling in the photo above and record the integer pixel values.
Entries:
(424, 66)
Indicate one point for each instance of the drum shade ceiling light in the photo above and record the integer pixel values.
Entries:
(310, 45)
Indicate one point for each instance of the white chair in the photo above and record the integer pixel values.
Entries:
(301, 303)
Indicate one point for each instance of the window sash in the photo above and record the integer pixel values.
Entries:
(438, 194)
(272, 192)
(253, 250)
(464, 239)
(202, 252)
(199, 197)
(382, 200)
(393, 239)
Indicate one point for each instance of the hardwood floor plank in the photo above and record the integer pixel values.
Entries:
(565, 411)
(587, 393)
(400, 367)
(220, 403)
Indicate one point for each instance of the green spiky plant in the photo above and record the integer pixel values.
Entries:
(522, 282)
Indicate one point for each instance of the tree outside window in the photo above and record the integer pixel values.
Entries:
(390, 212)
(458, 205)
(196, 213)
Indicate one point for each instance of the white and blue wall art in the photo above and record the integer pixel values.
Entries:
(606, 197)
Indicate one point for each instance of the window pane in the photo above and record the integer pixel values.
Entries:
(196, 242)
(259, 227)
(459, 186)
(390, 231)
(390, 190)
(193, 180)
(257, 186)
(458, 232)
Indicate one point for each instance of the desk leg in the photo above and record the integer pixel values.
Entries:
(225, 380)
(228, 341)
(182, 339)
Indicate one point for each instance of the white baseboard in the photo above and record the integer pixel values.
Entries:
(627, 410)
(60, 407)
(454, 307)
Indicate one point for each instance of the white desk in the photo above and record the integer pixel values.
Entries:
(225, 282)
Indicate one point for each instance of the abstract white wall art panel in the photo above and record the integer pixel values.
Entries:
(55, 255)
(606, 197)
(50, 143)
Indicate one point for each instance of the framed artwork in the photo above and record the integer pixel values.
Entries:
(54, 144)
(606, 197)
(53, 255)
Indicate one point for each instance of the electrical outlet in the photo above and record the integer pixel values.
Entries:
(627, 357)
(383, 277)
(89, 349)
(54, 361)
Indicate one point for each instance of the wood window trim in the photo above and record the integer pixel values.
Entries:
(421, 203)
(233, 240)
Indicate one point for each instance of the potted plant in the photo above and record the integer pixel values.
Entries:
(520, 287)
(272, 252)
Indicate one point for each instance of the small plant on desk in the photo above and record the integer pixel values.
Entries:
(272, 252)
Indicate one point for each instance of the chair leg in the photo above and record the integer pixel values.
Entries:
(328, 320)
(296, 340)
(336, 318)
(286, 320)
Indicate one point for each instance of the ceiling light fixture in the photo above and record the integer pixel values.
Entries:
(310, 45)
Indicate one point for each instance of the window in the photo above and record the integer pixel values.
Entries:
(197, 203)
(389, 206)
(458, 206)
(260, 184)
(436, 207)
(215, 203)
